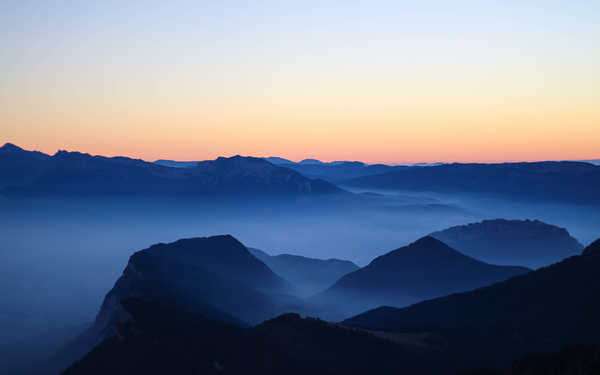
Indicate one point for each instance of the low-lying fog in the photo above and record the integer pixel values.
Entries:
(58, 258)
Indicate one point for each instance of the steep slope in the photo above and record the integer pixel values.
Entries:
(164, 339)
(541, 311)
(425, 269)
(541, 181)
(78, 174)
(215, 277)
(308, 275)
(531, 243)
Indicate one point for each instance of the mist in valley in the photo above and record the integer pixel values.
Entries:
(59, 257)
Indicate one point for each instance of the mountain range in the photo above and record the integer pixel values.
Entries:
(200, 305)
(541, 311)
(572, 182)
(425, 269)
(27, 173)
(31, 173)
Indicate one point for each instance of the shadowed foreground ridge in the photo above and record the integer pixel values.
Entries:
(163, 339)
(541, 311)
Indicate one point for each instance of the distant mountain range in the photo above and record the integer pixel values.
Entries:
(540, 311)
(30, 173)
(26, 173)
(333, 172)
(425, 269)
(564, 181)
(530, 243)
(308, 275)
(572, 182)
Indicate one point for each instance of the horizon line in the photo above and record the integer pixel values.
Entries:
(505, 161)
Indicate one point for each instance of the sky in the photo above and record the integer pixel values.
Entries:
(377, 81)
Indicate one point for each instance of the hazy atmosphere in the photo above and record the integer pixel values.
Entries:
(299, 187)
(377, 81)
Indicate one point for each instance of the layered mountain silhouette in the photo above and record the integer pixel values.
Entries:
(540, 311)
(78, 174)
(530, 243)
(334, 172)
(337, 172)
(425, 269)
(565, 181)
(215, 277)
(308, 275)
(160, 338)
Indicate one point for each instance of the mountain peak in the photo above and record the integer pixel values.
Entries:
(428, 241)
(423, 247)
(10, 147)
(593, 248)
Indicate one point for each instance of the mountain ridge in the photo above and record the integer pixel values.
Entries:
(424, 269)
(540, 311)
(81, 174)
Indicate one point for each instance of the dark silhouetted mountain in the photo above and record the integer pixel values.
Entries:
(522, 242)
(165, 339)
(216, 272)
(18, 166)
(541, 181)
(308, 275)
(215, 277)
(577, 360)
(77, 174)
(540, 311)
(425, 269)
(176, 164)
(593, 248)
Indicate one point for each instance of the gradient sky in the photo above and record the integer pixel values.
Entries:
(378, 81)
